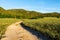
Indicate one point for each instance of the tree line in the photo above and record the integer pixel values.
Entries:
(25, 14)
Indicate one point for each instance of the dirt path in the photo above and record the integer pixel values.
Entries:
(35, 32)
(17, 32)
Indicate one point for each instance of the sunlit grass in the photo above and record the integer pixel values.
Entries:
(48, 26)
(4, 23)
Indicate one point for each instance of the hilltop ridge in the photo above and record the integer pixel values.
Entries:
(25, 14)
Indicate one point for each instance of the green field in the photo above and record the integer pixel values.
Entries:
(4, 22)
(49, 26)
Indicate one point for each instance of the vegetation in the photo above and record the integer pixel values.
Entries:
(46, 23)
(50, 27)
(24, 14)
(4, 22)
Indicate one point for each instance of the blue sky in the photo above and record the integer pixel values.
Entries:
(36, 5)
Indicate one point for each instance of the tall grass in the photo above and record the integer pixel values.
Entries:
(48, 26)
(4, 22)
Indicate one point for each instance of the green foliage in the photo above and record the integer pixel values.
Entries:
(4, 23)
(2, 30)
(35, 20)
(50, 27)
(24, 14)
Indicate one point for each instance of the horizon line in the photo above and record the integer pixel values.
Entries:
(28, 10)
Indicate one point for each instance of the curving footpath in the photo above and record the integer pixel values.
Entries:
(17, 32)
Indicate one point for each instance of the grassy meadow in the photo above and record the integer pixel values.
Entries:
(4, 22)
(49, 26)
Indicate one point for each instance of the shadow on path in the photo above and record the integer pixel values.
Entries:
(39, 35)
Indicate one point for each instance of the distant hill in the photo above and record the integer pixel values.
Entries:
(24, 14)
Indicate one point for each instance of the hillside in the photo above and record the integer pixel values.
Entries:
(25, 14)
(18, 13)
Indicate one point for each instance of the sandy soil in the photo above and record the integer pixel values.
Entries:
(16, 32)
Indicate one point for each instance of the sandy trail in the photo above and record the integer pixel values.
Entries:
(16, 32)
